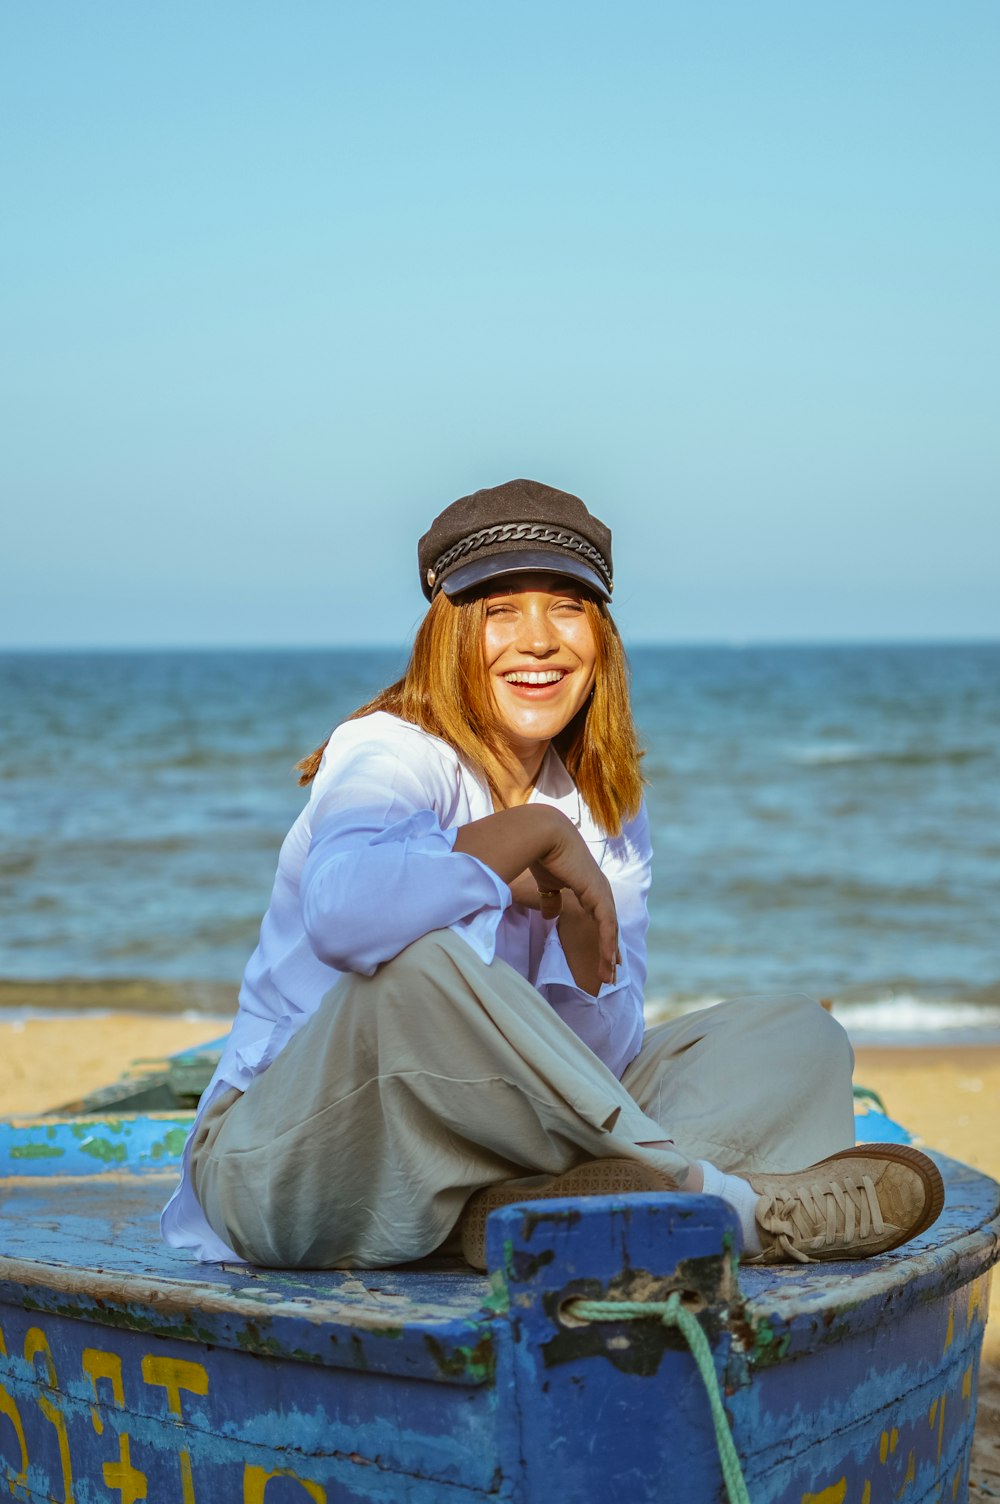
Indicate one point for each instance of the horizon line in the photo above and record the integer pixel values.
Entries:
(733, 643)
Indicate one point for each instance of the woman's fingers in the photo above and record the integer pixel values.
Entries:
(549, 891)
(606, 919)
(550, 902)
(597, 902)
(570, 864)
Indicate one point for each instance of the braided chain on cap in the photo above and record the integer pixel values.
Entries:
(532, 532)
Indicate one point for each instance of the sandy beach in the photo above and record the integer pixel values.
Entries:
(951, 1095)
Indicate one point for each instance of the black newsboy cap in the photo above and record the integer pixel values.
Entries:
(510, 528)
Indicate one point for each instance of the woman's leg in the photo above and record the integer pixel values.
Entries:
(759, 1090)
(402, 1095)
(756, 1084)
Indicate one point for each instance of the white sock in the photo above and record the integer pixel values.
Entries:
(741, 1196)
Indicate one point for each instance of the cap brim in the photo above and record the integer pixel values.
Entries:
(521, 561)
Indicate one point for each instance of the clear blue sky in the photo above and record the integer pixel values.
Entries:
(279, 281)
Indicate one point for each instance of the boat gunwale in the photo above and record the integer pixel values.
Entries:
(775, 1314)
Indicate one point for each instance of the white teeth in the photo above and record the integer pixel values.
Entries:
(546, 676)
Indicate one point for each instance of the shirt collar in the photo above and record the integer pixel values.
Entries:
(555, 786)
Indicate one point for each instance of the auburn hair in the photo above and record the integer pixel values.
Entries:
(446, 692)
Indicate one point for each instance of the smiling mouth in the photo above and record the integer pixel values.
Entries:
(536, 676)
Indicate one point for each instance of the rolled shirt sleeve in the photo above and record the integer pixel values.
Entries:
(368, 892)
(381, 870)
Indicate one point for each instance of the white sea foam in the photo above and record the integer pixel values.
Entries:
(932, 1020)
(23, 1013)
(897, 1018)
(822, 753)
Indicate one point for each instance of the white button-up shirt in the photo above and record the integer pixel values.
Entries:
(369, 866)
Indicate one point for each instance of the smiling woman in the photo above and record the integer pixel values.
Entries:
(444, 1012)
(540, 655)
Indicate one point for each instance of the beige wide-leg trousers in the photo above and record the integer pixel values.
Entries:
(408, 1090)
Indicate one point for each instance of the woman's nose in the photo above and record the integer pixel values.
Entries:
(537, 633)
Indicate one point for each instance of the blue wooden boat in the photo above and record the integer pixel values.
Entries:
(564, 1374)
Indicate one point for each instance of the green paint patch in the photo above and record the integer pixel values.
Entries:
(251, 1340)
(103, 1149)
(36, 1151)
(497, 1302)
(127, 1319)
(768, 1347)
(171, 1144)
(477, 1365)
(82, 1129)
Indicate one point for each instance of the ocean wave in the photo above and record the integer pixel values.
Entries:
(906, 1015)
(871, 899)
(971, 1016)
(17, 1017)
(837, 754)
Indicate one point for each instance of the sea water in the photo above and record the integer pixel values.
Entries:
(825, 819)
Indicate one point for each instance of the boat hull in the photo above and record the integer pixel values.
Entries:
(128, 1373)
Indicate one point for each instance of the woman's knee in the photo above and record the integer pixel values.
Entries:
(815, 1039)
(438, 969)
(423, 956)
(360, 1001)
(798, 1033)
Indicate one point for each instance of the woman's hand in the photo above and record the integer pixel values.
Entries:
(539, 840)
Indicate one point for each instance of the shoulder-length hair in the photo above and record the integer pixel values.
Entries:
(446, 692)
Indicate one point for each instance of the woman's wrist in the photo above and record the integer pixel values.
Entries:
(511, 840)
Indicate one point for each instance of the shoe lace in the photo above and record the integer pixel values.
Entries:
(822, 1214)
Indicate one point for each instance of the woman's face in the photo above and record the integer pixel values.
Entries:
(540, 656)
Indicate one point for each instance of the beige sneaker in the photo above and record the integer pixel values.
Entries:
(857, 1203)
(595, 1177)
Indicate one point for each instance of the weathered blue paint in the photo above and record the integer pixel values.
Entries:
(872, 1124)
(127, 1373)
(139, 1142)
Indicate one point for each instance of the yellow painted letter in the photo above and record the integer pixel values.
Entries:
(835, 1494)
(173, 1375)
(8, 1407)
(120, 1474)
(36, 1345)
(255, 1482)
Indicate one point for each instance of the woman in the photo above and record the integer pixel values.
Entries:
(444, 1012)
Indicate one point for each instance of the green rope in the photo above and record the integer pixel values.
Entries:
(672, 1313)
(866, 1094)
